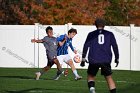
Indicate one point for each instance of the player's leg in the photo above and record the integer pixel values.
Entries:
(92, 71)
(70, 63)
(58, 62)
(111, 84)
(66, 71)
(107, 72)
(60, 70)
(91, 83)
(44, 70)
(38, 74)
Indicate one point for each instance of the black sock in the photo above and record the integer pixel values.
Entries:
(113, 90)
(59, 72)
(91, 84)
(42, 72)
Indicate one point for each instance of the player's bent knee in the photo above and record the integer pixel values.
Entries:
(91, 77)
(70, 62)
(109, 78)
(55, 61)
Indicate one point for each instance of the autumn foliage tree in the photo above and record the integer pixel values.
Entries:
(59, 12)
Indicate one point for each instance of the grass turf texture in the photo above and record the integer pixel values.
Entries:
(21, 80)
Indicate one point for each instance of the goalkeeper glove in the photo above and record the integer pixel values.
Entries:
(117, 62)
(83, 62)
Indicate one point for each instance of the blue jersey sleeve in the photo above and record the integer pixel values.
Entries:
(60, 38)
(71, 46)
(114, 46)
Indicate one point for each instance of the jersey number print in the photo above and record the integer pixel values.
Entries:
(101, 39)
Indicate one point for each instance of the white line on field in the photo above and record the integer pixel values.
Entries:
(118, 81)
(35, 91)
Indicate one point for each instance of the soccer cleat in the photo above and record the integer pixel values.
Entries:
(92, 90)
(38, 74)
(78, 78)
(63, 72)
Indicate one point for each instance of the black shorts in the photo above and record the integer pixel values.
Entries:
(105, 69)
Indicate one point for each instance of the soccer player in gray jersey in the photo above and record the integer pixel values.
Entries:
(50, 43)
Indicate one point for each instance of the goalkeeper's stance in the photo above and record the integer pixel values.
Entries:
(99, 43)
(50, 43)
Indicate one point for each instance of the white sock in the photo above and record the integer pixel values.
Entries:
(75, 73)
(92, 88)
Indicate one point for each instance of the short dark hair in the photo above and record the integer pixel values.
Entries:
(48, 28)
(72, 30)
(99, 22)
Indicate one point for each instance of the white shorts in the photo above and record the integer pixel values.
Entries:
(64, 58)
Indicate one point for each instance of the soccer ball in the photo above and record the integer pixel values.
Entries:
(77, 59)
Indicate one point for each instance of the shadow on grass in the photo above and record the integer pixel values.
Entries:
(133, 88)
(24, 77)
(17, 77)
(33, 90)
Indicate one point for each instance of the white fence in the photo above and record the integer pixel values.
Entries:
(16, 49)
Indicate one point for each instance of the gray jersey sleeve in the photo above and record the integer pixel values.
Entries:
(45, 39)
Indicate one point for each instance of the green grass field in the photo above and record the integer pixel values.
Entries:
(21, 80)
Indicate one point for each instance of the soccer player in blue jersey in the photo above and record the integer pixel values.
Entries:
(99, 43)
(65, 41)
(51, 44)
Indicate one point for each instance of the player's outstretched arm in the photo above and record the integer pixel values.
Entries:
(36, 41)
